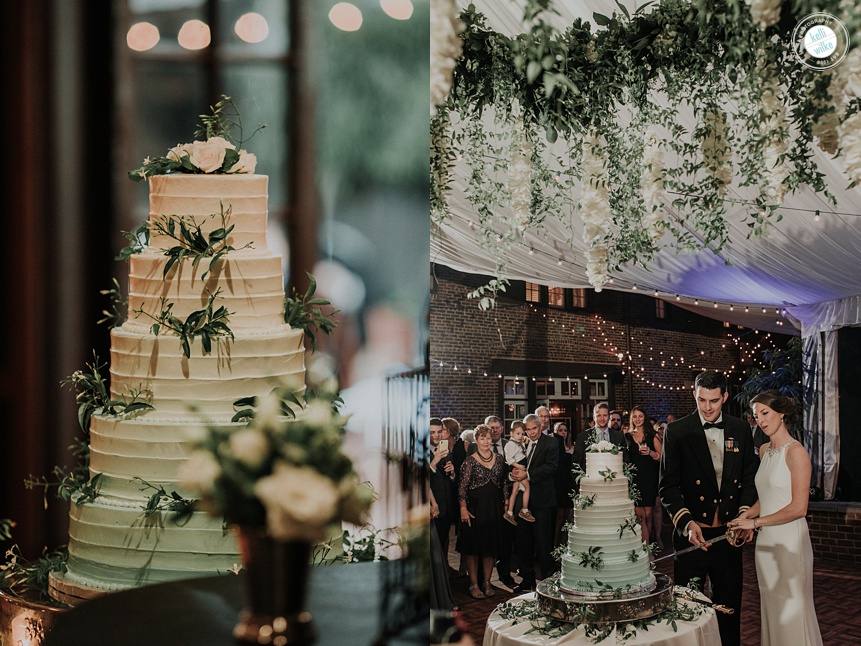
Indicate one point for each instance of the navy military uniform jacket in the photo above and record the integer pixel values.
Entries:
(688, 486)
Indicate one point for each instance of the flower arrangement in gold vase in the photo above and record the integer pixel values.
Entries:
(283, 481)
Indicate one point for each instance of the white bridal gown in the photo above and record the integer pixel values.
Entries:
(784, 562)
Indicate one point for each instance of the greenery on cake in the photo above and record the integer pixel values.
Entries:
(634, 555)
(94, 396)
(113, 317)
(608, 474)
(304, 312)
(583, 502)
(192, 241)
(290, 402)
(217, 147)
(593, 557)
(138, 241)
(288, 476)
(207, 324)
(161, 500)
(75, 483)
(633, 490)
(631, 524)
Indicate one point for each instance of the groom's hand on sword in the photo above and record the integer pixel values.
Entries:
(695, 535)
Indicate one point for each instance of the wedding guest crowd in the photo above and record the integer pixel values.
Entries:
(480, 479)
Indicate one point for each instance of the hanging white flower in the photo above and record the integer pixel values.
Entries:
(847, 76)
(716, 151)
(850, 141)
(445, 48)
(825, 131)
(652, 185)
(777, 132)
(765, 13)
(520, 177)
(595, 211)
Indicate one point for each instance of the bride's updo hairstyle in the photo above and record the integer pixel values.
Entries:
(779, 402)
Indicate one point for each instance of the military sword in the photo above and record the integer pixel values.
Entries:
(730, 536)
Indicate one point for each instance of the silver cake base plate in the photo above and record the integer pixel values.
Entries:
(556, 603)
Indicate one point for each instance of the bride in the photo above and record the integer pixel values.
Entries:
(784, 557)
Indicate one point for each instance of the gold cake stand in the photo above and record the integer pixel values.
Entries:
(557, 603)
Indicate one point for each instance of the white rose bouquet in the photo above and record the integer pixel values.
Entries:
(217, 151)
(288, 475)
(603, 447)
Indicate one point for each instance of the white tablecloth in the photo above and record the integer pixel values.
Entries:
(703, 631)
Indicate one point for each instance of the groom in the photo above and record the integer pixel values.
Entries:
(707, 472)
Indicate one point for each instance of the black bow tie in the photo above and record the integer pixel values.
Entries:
(708, 425)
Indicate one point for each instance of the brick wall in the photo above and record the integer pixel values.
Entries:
(835, 531)
(471, 340)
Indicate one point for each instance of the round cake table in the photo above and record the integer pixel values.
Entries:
(702, 631)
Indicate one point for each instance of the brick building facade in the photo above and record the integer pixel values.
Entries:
(520, 354)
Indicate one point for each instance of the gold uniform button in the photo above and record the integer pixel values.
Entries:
(698, 481)
(730, 497)
(735, 481)
(702, 498)
(715, 501)
(705, 515)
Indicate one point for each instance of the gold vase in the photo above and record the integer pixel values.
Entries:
(276, 589)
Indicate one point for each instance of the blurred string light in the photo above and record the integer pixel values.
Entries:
(142, 36)
(397, 9)
(345, 16)
(194, 34)
(251, 27)
(644, 362)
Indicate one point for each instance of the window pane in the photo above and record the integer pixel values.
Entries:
(545, 388)
(660, 311)
(578, 298)
(260, 91)
(533, 293)
(513, 387)
(556, 296)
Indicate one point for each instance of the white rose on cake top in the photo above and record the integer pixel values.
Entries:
(603, 447)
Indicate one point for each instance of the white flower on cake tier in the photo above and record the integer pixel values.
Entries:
(199, 472)
(299, 502)
(250, 447)
(602, 447)
(850, 142)
(208, 155)
(247, 163)
(847, 76)
(445, 48)
(765, 13)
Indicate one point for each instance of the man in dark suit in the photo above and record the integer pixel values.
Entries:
(442, 483)
(707, 470)
(600, 431)
(542, 457)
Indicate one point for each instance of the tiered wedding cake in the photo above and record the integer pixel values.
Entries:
(605, 549)
(113, 543)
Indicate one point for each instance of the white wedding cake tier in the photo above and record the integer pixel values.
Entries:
(605, 551)
(113, 543)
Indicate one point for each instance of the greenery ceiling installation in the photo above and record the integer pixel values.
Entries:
(588, 121)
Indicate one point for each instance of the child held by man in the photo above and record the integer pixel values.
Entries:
(515, 453)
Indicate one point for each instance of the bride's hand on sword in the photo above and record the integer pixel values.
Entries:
(744, 528)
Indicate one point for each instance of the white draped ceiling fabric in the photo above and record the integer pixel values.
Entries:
(803, 272)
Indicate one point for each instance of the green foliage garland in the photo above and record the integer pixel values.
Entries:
(624, 76)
